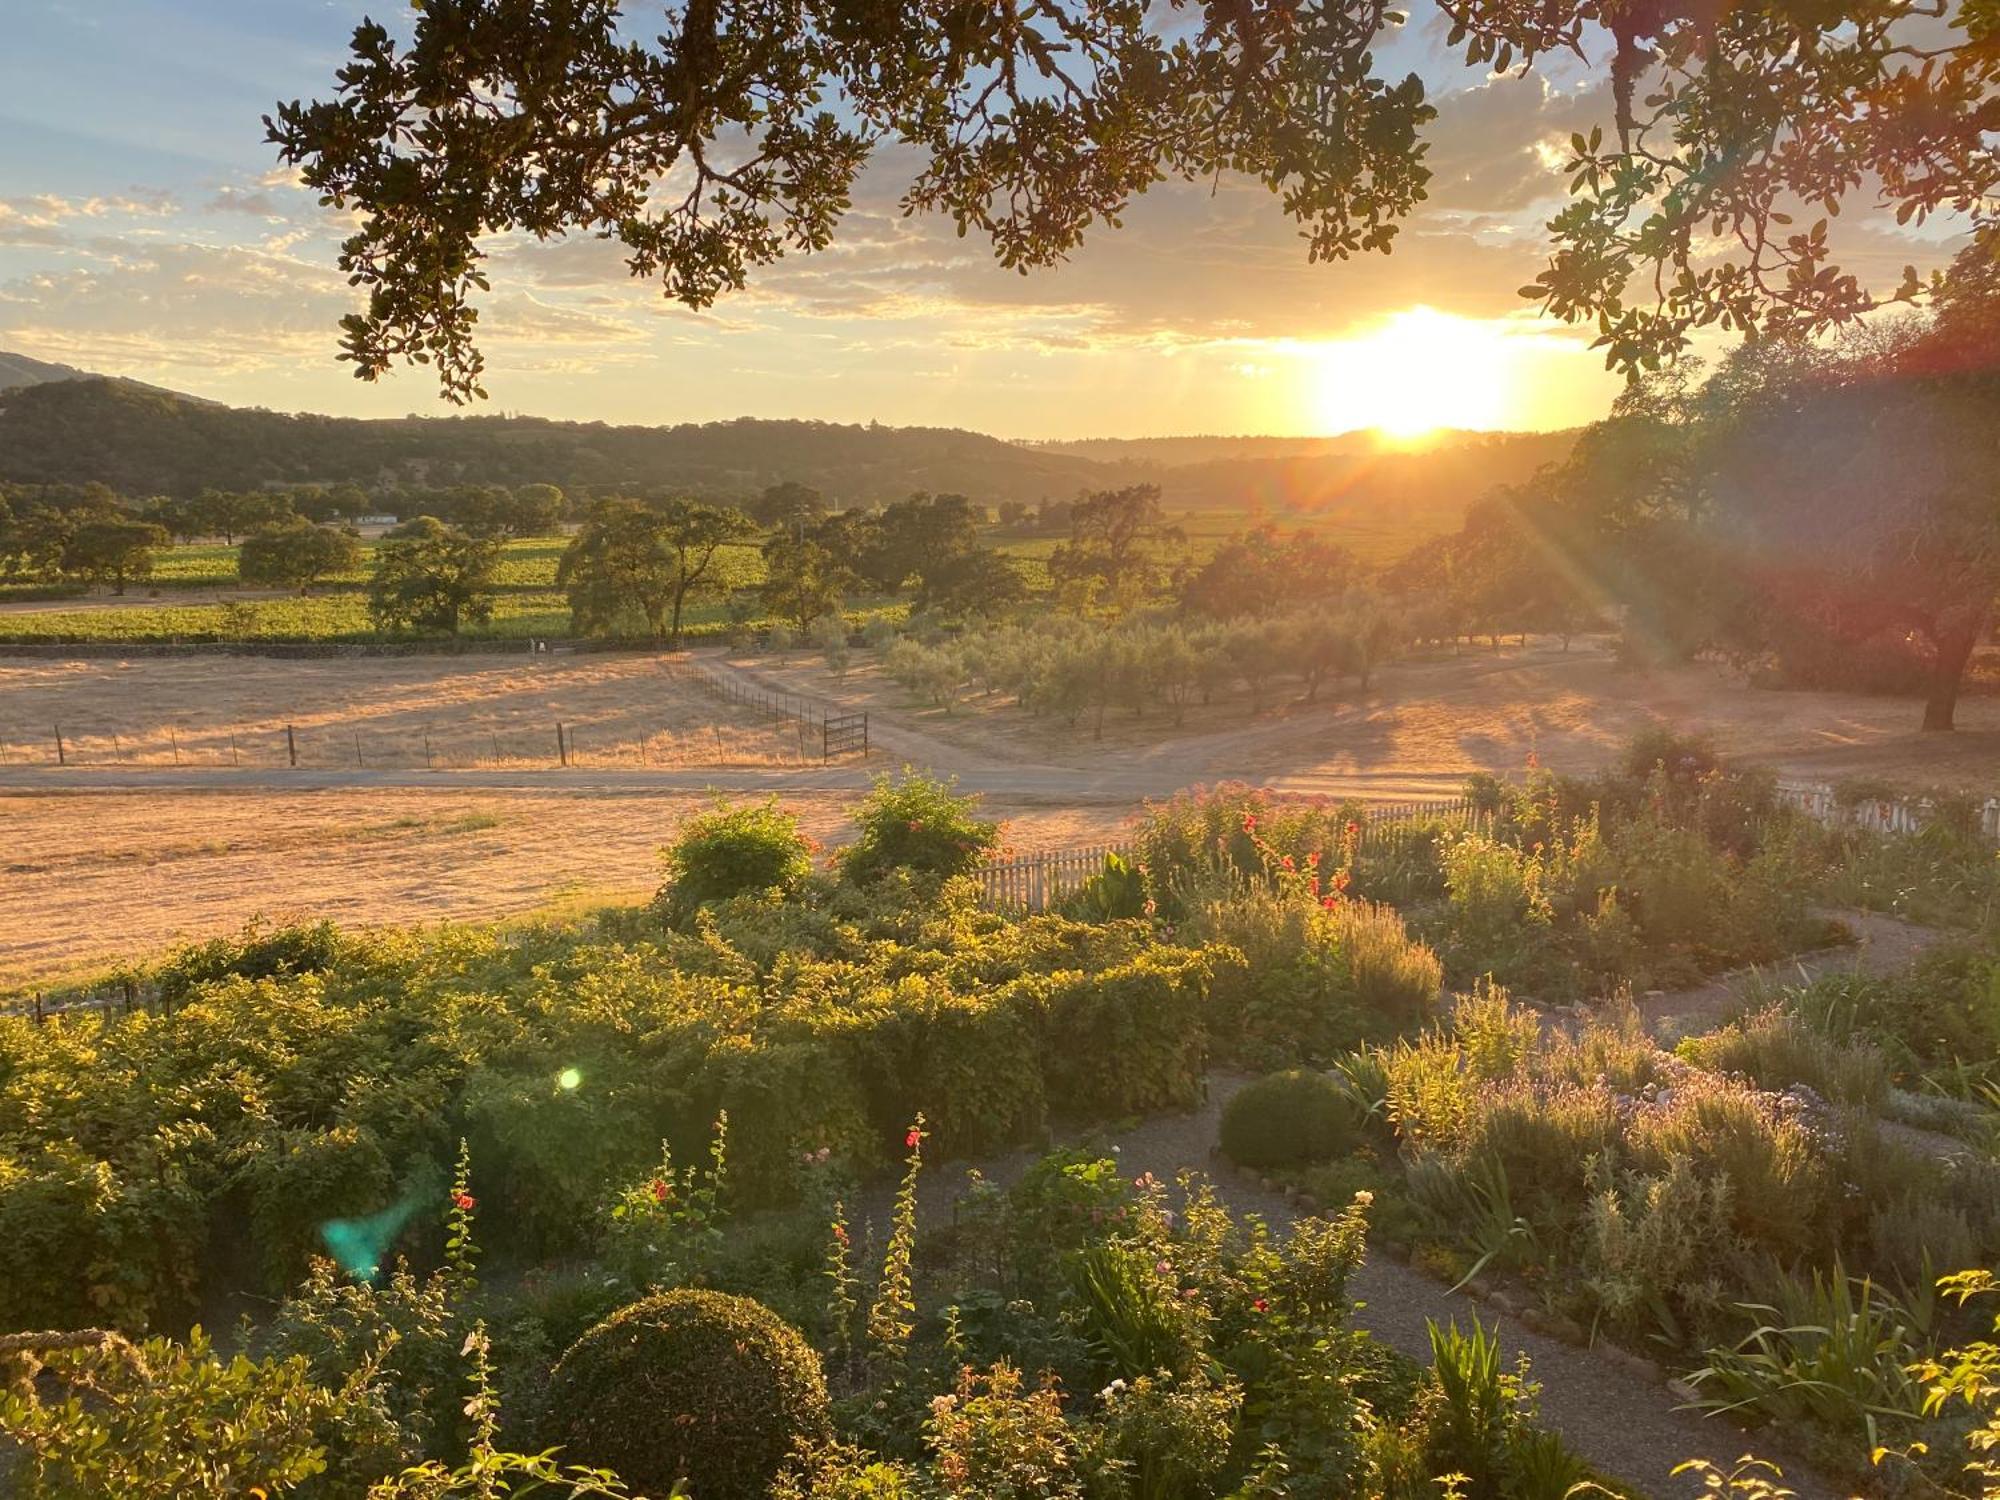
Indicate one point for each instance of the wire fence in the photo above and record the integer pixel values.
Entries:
(836, 729)
(624, 739)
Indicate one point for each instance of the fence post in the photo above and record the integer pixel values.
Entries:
(427, 751)
(291, 746)
(357, 749)
(62, 755)
(234, 758)
(562, 745)
(174, 739)
(39, 1018)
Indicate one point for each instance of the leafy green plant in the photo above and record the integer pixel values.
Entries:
(917, 823)
(1833, 1349)
(666, 1229)
(1135, 1312)
(1114, 892)
(1477, 1407)
(733, 851)
(127, 1418)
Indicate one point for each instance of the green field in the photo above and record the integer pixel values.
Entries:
(526, 602)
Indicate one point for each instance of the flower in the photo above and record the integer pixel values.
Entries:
(1249, 822)
(660, 1190)
(942, 1405)
(914, 1138)
(840, 1233)
(1165, 1268)
(1260, 1305)
(1312, 860)
(464, 1202)
(1190, 1293)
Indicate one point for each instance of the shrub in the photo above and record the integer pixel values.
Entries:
(1290, 1117)
(1756, 1140)
(1775, 1050)
(918, 823)
(260, 1423)
(1130, 1039)
(693, 1386)
(731, 851)
(257, 953)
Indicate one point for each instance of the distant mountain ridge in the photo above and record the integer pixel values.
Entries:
(59, 426)
(18, 370)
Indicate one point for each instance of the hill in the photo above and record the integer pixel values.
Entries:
(19, 370)
(142, 440)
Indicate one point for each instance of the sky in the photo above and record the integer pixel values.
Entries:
(147, 231)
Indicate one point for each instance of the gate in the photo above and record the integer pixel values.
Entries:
(843, 734)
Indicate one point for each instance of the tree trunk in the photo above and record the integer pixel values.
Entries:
(1954, 643)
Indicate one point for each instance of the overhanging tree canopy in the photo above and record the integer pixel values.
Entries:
(735, 133)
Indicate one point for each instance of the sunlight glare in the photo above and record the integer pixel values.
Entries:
(1419, 371)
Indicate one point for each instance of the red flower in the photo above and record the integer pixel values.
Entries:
(914, 1138)
(1329, 902)
(659, 1190)
(1353, 829)
(1249, 822)
(464, 1202)
(1312, 860)
(1288, 863)
(840, 1233)
(1260, 1305)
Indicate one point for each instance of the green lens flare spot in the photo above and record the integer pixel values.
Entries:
(568, 1078)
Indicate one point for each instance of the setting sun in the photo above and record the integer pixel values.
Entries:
(1419, 370)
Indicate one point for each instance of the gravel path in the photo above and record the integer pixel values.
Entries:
(1623, 1423)
(1882, 945)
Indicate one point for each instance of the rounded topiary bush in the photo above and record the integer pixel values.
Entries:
(688, 1385)
(1298, 1115)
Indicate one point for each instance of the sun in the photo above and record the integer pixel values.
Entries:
(1419, 370)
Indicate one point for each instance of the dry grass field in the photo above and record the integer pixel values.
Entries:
(96, 866)
(374, 712)
(1443, 716)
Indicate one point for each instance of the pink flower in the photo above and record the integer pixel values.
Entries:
(1164, 1268)
(659, 1189)
(465, 1203)
(1260, 1305)
(914, 1138)
(1190, 1294)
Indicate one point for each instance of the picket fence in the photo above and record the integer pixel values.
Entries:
(1819, 801)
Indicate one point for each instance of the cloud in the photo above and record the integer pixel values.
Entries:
(230, 200)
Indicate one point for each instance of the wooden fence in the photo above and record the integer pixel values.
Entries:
(1821, 802)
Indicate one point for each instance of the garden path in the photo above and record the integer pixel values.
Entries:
(1623, 1423)
(1882, 945)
